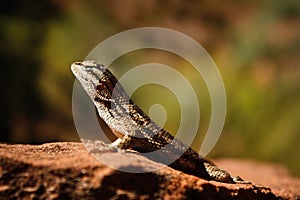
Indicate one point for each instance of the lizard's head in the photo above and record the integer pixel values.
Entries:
(112, 102)
(96, 80)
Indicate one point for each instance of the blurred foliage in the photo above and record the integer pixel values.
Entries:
(256, 45)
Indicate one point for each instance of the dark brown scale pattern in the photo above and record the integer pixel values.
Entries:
(138, 115)
(146, 136)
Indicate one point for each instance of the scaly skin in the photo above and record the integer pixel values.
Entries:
(136, 131)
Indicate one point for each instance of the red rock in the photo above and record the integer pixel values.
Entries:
(67, 171)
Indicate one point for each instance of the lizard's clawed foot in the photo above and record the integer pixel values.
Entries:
(237, 179)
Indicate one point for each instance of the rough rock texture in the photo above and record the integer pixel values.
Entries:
(68, 171)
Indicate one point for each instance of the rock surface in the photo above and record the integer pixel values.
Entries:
(67, 171)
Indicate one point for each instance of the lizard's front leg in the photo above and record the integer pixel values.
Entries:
(121, 114)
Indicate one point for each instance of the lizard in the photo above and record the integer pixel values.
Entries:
(136, 131)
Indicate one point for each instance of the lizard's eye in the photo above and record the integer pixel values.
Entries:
(78, 63)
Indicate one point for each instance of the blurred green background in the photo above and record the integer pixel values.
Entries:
(255, 44)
